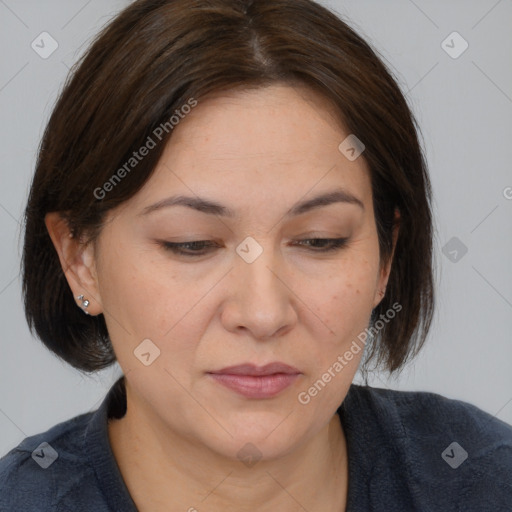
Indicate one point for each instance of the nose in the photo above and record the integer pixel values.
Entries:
(260, 297)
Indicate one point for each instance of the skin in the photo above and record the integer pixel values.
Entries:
(257, 152)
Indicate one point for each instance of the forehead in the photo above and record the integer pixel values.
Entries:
(267, 121)
(274, 143)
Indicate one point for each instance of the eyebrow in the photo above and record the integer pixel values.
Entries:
(213, 208)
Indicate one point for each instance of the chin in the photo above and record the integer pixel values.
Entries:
(260, 440)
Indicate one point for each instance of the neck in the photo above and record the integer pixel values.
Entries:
(165, 471)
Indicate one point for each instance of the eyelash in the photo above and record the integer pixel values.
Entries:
(333, 244)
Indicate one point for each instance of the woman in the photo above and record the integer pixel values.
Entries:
(232, 202)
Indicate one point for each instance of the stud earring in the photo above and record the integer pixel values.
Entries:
(85, 303)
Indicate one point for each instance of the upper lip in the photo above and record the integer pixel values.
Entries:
(253, 370)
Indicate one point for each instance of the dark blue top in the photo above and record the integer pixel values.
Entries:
(408, 451)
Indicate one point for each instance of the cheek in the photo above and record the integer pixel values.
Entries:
(147, 297)
(344, 302)
(345, 296)
(140, 300)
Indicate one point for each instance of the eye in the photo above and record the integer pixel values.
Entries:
(202, 247)
(324, 244)
(193, 248)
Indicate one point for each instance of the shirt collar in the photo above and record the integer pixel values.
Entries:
(99, 451)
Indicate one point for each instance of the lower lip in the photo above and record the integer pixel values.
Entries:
(263, 386)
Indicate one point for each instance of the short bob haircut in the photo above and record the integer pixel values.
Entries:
(155, 57)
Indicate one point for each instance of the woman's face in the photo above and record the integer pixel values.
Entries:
(257, 292)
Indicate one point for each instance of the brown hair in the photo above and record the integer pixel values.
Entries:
(148, 62)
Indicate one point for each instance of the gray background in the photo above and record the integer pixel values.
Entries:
(464, 107)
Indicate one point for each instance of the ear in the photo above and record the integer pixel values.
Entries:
(385, 269)
(78, 262)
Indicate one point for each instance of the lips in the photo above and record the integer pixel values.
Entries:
(257, 381)
(251, 369)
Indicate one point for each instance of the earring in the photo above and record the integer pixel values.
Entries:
(85, 303)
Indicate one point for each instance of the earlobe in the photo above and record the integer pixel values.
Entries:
(396, 230)
(77, 261)
(379, 295)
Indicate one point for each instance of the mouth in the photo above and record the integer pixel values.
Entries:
(257, 382)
